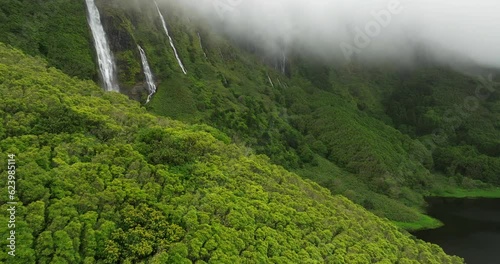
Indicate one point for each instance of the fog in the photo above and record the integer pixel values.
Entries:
(372, 30)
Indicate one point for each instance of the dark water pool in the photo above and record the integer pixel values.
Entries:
(471, 230)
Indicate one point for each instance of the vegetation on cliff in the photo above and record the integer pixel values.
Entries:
(382, 137)
(101, 180)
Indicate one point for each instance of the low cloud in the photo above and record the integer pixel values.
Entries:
(376, 30)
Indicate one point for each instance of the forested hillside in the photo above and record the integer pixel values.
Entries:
(56, 30)
(100, 180)
(382, 136)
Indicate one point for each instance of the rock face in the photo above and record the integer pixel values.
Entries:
(129, 27)
(123, 46)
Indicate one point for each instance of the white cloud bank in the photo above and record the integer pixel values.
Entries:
(365, 29)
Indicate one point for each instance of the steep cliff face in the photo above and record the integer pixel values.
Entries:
(56, 30)
(129, 25)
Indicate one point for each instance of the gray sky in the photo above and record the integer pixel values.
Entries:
(367, 29)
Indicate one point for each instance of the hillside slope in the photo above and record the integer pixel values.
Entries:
(99, 180)
(382, 136)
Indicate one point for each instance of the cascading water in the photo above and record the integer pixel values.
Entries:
(283, 65)
(105, 58)
(270, 81)
(170, 39)
(201, 45)
(147, 72)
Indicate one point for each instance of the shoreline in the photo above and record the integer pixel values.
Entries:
(468, 193)
(427, 222)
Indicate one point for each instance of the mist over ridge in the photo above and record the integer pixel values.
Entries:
(396, 31)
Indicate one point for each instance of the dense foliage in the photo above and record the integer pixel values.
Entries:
(100, 180)
(383, 137)
(364, 132)
(348, 128)
(56, 30)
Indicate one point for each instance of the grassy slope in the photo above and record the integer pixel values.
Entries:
(94, 170)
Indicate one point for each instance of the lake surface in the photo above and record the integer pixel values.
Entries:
(471, 230)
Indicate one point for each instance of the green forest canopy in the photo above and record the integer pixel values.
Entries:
(360, 131)
(100, 180)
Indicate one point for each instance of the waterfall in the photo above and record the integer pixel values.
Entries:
(147, 72)
(170, 39)
(107, 65)
(283, 65)
(270, 81)
(201, 45)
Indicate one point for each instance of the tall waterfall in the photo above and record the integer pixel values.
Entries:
(201, 45)
(170, 39)
(147, 72)
(107, 65)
